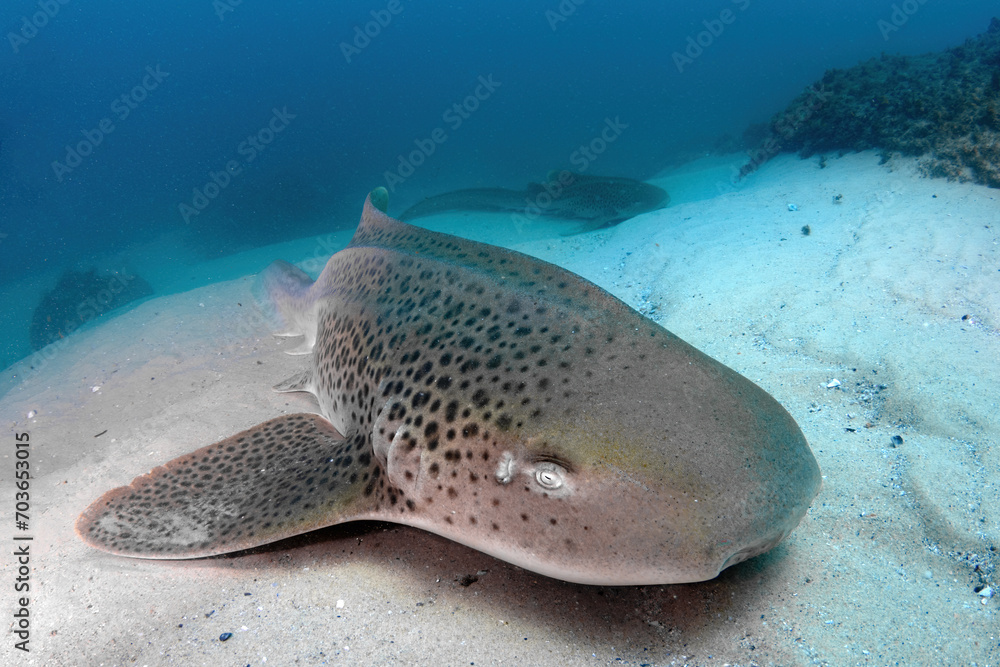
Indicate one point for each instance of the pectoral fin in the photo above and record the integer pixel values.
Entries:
(286, 476)
(302, 381)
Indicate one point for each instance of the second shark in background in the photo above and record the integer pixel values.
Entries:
(597, 201)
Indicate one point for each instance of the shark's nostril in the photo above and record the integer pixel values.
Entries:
(506, 468)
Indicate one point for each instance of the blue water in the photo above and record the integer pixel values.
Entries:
(234, 124)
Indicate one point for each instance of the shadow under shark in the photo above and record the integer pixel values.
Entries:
(597, 201)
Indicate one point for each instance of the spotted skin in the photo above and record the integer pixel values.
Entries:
(496, 400)
(282, 477)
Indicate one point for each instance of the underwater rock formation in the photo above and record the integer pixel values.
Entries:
(79, 297)
(945, 106)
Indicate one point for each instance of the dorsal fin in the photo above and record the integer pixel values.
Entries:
(507, 267)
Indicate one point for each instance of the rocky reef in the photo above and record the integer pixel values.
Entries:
(81, 296)
(943, 107)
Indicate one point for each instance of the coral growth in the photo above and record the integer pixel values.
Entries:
(945, 106)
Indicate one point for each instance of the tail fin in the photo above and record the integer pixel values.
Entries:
(283, 292)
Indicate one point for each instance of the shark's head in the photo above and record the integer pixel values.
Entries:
(596, 448)
(638, 197)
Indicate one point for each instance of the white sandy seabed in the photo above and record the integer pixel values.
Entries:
(883, 321)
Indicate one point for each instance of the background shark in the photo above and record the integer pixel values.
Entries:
(598, 201)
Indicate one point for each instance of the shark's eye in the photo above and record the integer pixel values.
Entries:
(548, 478)
(549, 475)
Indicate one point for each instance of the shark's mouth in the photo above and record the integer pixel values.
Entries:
(756, 549)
